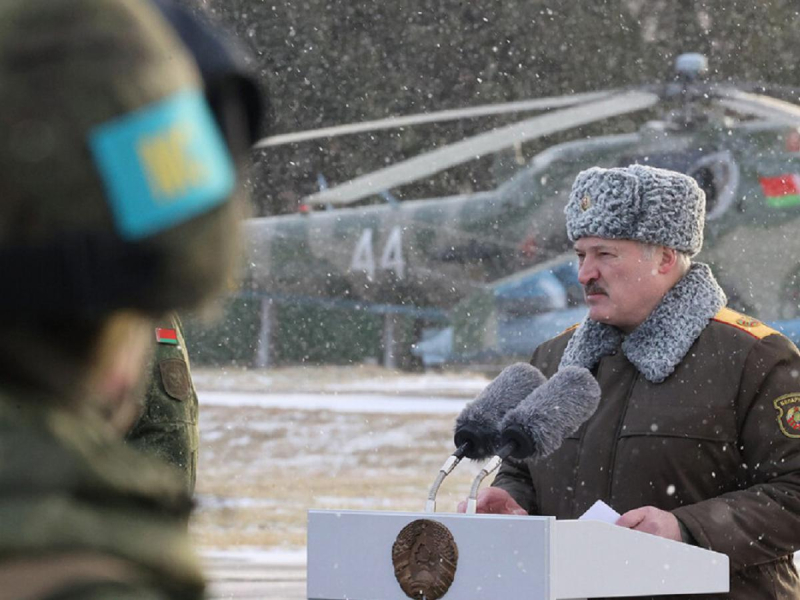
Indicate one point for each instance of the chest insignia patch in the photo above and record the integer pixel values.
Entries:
(788, 408)
(747, 322)
(175, 377)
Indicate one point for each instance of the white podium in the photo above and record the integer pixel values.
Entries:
(535, 558)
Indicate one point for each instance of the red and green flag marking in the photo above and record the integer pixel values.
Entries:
(781, 191)
(166, 336)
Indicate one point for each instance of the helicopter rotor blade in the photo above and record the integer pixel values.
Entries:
(434, 117)
(768, 88)
(758, 105)
(485, 143)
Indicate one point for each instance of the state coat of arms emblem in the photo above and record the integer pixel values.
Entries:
(788, 408)
(425, 557)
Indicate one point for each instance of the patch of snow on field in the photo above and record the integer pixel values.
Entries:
(349, 403)
(471, 385)
(356, 379)
(256, 556)
(207, 501)
(313, 443)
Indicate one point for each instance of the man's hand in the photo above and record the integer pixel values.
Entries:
(650, 519)
(495, 501)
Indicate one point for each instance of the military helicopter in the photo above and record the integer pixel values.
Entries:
(424, 257)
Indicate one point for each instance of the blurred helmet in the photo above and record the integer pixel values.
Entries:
(117, 188)
(236, 97)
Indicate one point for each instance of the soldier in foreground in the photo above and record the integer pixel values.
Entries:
(119, 204)
(697, 435)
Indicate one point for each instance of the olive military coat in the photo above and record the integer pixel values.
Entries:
(717, 442)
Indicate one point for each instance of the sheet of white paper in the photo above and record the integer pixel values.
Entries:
(600, 511)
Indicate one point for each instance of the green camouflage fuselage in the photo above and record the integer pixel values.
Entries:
(439, 251)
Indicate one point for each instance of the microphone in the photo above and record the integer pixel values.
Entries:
(478, 425)
(477, 431)
(538, 425)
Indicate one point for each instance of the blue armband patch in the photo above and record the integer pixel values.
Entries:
(163, 164)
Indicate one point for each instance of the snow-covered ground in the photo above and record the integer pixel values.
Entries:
(331, 380)
(277, 443)
(342, 402)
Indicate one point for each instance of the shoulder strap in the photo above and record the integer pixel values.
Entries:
(747, 324)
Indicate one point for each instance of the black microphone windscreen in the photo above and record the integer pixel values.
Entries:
(478, 425)
(554, 410)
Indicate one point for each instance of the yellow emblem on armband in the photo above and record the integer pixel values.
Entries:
(788, 408)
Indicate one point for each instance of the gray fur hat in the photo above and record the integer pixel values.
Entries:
(639, 203)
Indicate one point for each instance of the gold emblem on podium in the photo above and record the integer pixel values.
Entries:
(425, 557)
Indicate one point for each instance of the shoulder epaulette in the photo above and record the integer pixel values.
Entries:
(747, 324)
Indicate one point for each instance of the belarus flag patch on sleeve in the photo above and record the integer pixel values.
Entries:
(166, 336)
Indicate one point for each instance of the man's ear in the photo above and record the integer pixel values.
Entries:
(668, 260)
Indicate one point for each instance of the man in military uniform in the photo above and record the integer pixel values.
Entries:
(694, 438)
(119, 205)
(168, 427)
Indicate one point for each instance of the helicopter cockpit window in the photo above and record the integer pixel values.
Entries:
(718, 176)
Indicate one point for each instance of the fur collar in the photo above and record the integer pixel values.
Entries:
(659, 344)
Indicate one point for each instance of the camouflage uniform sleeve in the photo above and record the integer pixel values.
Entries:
(168, 426)
(758, 523)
